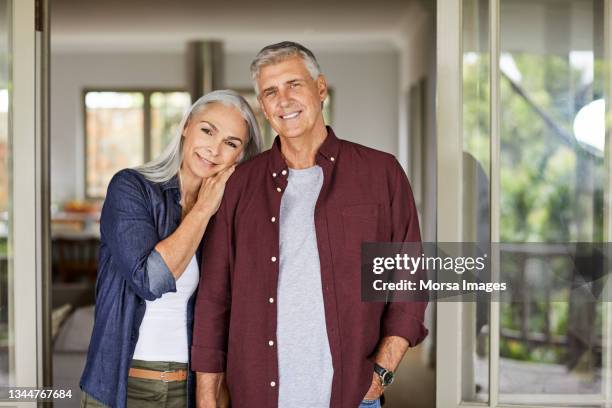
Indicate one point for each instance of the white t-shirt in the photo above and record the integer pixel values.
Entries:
(163, 332)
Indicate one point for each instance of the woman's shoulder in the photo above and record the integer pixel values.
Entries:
(127, 176)
(129, 183)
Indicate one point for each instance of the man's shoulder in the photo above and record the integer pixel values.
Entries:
(360, 152)
(248, 172)
(252, 168)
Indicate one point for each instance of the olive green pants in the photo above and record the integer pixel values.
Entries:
(150, 393)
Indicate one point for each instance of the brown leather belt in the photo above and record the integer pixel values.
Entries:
(165, 376)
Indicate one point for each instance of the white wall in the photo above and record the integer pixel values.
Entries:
(364, 109)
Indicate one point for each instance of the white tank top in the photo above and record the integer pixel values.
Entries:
(163, 332)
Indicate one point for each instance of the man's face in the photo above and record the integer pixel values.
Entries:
(290, 98)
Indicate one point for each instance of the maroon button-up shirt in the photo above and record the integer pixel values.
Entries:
(365, 197)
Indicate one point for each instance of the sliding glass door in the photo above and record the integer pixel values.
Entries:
(523, 147)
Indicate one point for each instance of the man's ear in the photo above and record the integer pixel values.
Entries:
(322, 87)
(263, 108)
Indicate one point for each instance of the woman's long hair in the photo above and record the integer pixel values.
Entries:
(168, 163)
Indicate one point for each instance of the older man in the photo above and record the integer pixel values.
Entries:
(279, 308)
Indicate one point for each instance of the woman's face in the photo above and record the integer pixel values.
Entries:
(215, 138)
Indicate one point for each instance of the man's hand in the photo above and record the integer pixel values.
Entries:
(376, 388)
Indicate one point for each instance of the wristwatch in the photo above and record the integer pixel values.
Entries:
(386, 376)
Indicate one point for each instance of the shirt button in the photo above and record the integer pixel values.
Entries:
(272, 384)
(271, 300)
(273, 174)
(273, 219)
(332, 159)
(273, 259)
(278, 189)
(270, 343)
(284, 172)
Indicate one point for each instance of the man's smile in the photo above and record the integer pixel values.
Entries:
(291, 115)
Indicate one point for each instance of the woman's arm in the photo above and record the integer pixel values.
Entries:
(178, 248)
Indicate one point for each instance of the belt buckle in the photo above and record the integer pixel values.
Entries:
(163, 376)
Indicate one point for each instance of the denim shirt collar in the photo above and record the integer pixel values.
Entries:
(173, 184)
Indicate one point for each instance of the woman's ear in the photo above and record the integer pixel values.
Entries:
(187, 123)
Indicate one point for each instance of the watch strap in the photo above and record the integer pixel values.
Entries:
(386, 376)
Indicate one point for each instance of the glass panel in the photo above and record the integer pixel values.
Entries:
(476, 162)
(114, 136)
(552, 181)
(6, 344)
(167, 109)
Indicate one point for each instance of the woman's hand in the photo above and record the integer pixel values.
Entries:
(211, 192)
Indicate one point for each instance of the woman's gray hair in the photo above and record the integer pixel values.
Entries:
(168, 163)
(275, 53)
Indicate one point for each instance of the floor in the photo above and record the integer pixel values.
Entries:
(415, 383)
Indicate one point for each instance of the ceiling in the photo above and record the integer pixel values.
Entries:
(144, 25)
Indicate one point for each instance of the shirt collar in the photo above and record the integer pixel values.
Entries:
(328, 151)
(170, 184)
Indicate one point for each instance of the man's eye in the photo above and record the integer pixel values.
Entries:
(269, 94)
(232, 144)
(207, 131)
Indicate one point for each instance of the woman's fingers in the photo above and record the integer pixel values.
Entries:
(225, 174)
(211, 190)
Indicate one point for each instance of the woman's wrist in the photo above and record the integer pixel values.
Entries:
(202, 211)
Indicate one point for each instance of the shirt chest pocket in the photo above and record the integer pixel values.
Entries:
(360, 224)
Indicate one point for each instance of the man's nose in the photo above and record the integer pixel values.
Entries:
(284, 99)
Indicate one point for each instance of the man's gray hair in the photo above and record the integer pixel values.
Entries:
(167, 165)
(275, 53)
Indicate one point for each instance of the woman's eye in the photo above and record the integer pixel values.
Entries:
(232, 144)
(207, 131)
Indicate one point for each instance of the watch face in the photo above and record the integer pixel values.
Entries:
(387, 378)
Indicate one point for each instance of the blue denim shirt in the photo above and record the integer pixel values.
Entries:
(137, 214)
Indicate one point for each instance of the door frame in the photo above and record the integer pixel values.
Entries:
(27, 124)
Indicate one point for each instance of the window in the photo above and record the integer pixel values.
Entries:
(126, 129)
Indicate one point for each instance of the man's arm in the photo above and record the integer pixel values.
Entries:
(207, 389)
(390, 352)
(211, 391)
(402, 322)
(212, 311)
(401, 318)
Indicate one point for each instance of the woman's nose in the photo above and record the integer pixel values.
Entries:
(214, 148)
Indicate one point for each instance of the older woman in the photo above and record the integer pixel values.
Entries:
(152, 223)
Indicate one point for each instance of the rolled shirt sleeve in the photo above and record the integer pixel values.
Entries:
(161, 279)
(128, 228)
